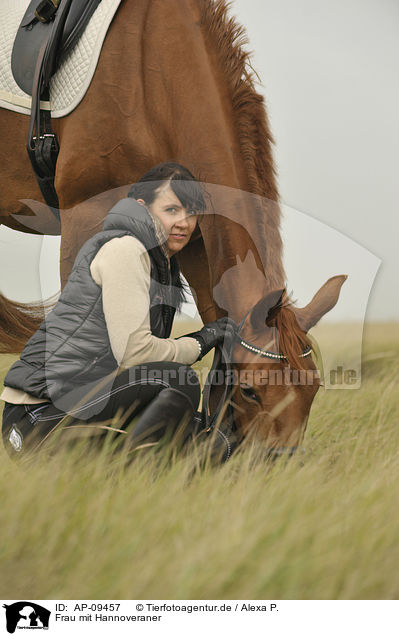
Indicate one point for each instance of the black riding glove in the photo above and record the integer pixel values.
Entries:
(213, 333)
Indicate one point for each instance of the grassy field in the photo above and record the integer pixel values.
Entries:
(323, 525)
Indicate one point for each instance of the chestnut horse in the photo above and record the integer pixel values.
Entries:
(173, 82)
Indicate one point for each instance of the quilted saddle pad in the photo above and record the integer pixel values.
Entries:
(71, 81)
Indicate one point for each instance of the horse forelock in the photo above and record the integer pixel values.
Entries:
(292, 340)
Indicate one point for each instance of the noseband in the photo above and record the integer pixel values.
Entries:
(229, 436)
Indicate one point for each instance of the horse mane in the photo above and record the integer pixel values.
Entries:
(248, 106)
(250, 119)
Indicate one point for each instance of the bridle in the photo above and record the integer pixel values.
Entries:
(229, 436)
(271, 354)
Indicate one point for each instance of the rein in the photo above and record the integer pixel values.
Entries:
(223, 356)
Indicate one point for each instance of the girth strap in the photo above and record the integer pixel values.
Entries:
(43, 147)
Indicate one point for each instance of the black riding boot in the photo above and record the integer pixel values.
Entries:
(169, 415)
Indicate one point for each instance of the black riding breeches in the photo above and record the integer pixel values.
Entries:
(131, 391)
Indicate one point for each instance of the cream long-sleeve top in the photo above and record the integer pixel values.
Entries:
(122, 268)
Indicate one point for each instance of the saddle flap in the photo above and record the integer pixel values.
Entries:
(27, 43)
(32, 33)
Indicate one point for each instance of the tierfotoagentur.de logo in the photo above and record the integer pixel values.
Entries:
(26, 615)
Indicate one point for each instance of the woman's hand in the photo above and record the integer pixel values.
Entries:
(213, 333)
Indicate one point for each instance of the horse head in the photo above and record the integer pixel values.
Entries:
(277, 378)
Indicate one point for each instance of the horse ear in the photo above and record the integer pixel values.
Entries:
(324, 300)
(263, 308)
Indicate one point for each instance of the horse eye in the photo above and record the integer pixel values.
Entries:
(249, 393)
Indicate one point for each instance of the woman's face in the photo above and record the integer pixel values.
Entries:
(179, 223)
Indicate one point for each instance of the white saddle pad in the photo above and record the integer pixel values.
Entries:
(71, 81)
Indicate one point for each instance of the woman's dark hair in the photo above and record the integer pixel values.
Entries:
(187, 189)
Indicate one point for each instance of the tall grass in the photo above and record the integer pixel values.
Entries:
(323, 525)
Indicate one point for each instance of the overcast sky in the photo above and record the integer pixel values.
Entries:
(329, 75)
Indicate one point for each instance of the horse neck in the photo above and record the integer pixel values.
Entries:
(243, 246)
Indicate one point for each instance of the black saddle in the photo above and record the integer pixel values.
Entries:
(34, 29)
(49, 29)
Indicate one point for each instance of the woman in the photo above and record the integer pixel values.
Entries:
(105, 347)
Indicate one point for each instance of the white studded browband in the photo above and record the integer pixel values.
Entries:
(271, 354)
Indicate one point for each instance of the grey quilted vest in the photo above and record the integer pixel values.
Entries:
(71, 348)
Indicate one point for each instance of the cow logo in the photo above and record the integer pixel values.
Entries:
(26, 615)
